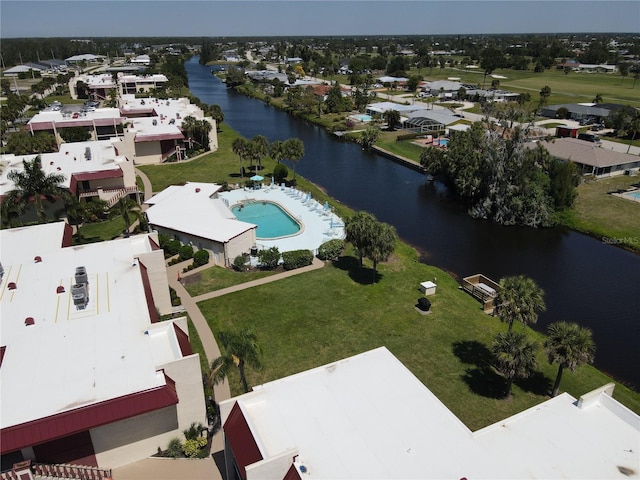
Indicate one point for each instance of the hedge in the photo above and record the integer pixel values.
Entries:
(201, 257)
(331, 250)
(296, 259)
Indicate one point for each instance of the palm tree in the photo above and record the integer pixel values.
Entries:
(259, 149)
(294, 151)
(240, 147)
(32, 184)
(382, 244)
(128, 210)
(276, 150)
(519, 298)
(359, 230)
(240, 349)
(569, 345)
(77, 213)
(515, 356)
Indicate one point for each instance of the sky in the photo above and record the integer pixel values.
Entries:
(213, 18)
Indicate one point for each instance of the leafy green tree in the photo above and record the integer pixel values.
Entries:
(563, 177)
(545, 93)
(335, 101)
(491, 59)
(519, 299)
(515, 356)
(23, 143)
(397, 66)
(369, 137)
(77, 213)
(598, 98)
(239, 350)
(32, 184)
(294, 151)
(569, 345)
(359, 229)
(280, 172)
(392, 117)
(623, 68)
(75, 134)
(381, 245)
(235, 77)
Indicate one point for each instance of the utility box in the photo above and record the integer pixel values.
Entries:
(428, 288)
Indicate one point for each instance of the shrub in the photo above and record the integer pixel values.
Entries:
(280, 172)
(175, 299)
(174, 448)
(331, 250)
(172, 247)
(239, 262)
(185, 252)
(201, 257)
(296, 259)
(192, 448)
(269, 257)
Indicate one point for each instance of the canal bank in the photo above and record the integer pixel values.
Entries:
(585, 281)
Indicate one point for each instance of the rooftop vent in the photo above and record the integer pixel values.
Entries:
(155, 122)
(12, 286)
(60, 289)
(87, 153)
(29, 321)
(197, 190)
(79, 296)
(81, 275)
(37, 259)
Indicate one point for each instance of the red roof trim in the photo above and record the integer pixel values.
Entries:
(292, 474)
(243, 446)
(88, 417)
(2, 350)
(154, 245)
(67, 236)
(183, 341)
(151, 306)
(99, 175)
(159, 136)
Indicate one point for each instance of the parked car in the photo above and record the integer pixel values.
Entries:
(589, 137)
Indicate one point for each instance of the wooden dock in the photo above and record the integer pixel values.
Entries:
(482, 288)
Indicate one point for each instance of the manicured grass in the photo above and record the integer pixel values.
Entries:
(615, 220)
(335, 312)
(196, 346)
(101, 231)
(217, 278)
(405, 148)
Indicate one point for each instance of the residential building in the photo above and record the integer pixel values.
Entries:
(592, 159)
(369, 417)
(90, 169)
(195, 215)
(88, 373)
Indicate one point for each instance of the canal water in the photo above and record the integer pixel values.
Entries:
(585, 280)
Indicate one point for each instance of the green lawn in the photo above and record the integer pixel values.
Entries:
(571, 88)
(217, 278)
(101, 231)
(335, 312)
(606, 216)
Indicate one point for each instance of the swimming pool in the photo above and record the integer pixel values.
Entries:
(444, 142)
(272, 221)
(362, 117)
(635, 195)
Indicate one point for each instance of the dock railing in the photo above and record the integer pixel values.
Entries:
(482, 288)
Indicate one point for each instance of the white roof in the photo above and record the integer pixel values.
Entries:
(391, 79)
(368, 417)
(382, 107)
(70, 160)
(165, 111)
(157, 77)
(101, 80)
(58, 116)
(75, 357)
(88, 57)
(195, 209)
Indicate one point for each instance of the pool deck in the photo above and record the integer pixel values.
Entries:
(318, 224)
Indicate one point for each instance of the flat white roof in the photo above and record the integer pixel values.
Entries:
(194, 209)
(101, 80)
(58, 116)
(168, 114)
(73, 357)
(68, 161)
(368, 417)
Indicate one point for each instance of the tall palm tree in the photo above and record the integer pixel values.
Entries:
(515, 356)
(128, 210)
(294, 151)
(276, 150)
(32, 184)
(519, 298)
(569, 345)
(240, 349)
(381, 246)
(260, 149)
(77, 213)
(359, 230)
(241, 148)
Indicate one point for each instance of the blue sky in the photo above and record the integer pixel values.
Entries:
(95, 18)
